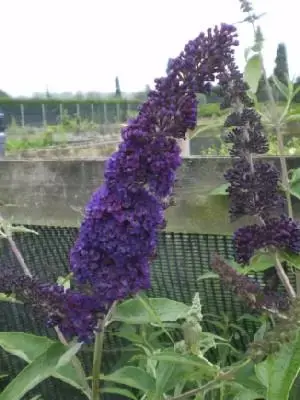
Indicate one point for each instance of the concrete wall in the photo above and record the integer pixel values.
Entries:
(55, 192)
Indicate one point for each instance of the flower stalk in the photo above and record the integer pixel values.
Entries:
(283, 277)
(98, 352)
(97, 359)
(276, 123)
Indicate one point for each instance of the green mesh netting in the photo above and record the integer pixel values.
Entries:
(181, 259)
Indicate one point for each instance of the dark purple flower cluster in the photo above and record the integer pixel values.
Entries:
(117, 241)
(277, 233)
(254, 186)
(249, 289)
(253, 193)
(145, 161)
(247, 134)
(76, 314)
(118, 236)
(233, 87)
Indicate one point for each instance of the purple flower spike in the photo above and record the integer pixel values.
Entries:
(75, 313)
(254, 193)
(249, 289)
(278, 233)
(118, 236)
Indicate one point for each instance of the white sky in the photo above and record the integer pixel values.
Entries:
(73, 45)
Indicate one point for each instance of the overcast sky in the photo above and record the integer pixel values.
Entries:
(73, 45)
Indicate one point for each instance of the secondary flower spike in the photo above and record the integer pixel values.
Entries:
(254, 186)
(75, 313)
(118, 237)
(248, 289)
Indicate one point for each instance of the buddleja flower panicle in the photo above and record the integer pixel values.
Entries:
(75, 313)
(254, 193)
(248, 289)
(233, 88)
(281, 233)
(118, 236)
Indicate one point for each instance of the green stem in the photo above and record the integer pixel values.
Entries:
(283, 277)
(97, 359)
(227, 376)
(76, 364)
(98, 352)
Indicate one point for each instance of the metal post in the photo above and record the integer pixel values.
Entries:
(92, 112)
(22, 115)
(44, 115)
(105, 113)
(118, 113)
(2, 135)
(61, 113)
(105, 118)
(78, 117)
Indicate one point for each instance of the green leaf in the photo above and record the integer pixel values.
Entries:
(279, 371)
(36, 372)
(291, 258)
(134, 312)
(9, 298)
(258, 263)
(128, 332)
(294, 189)
(208, 275)
(24, 345)
(253, 72)
(164, 372)
(120, 391)
(2, 376)
(246, 394)
(65, 281)
(156, 316)
(283, 89)
(294, 186)
(28, 347)
(22, 229)
(247, 51)
(220, 190)
(246, 377)
(295, 91)
(260, 333)
(68, 355)
(293, 117)
(188, 360)
(295, 174)
(133, 377)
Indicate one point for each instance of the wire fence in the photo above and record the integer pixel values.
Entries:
(182, 259)
(81, 114)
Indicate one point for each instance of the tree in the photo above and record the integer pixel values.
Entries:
(281, 70)
(262, 93)
(3, 94)
(118, 90)
(48, 95)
